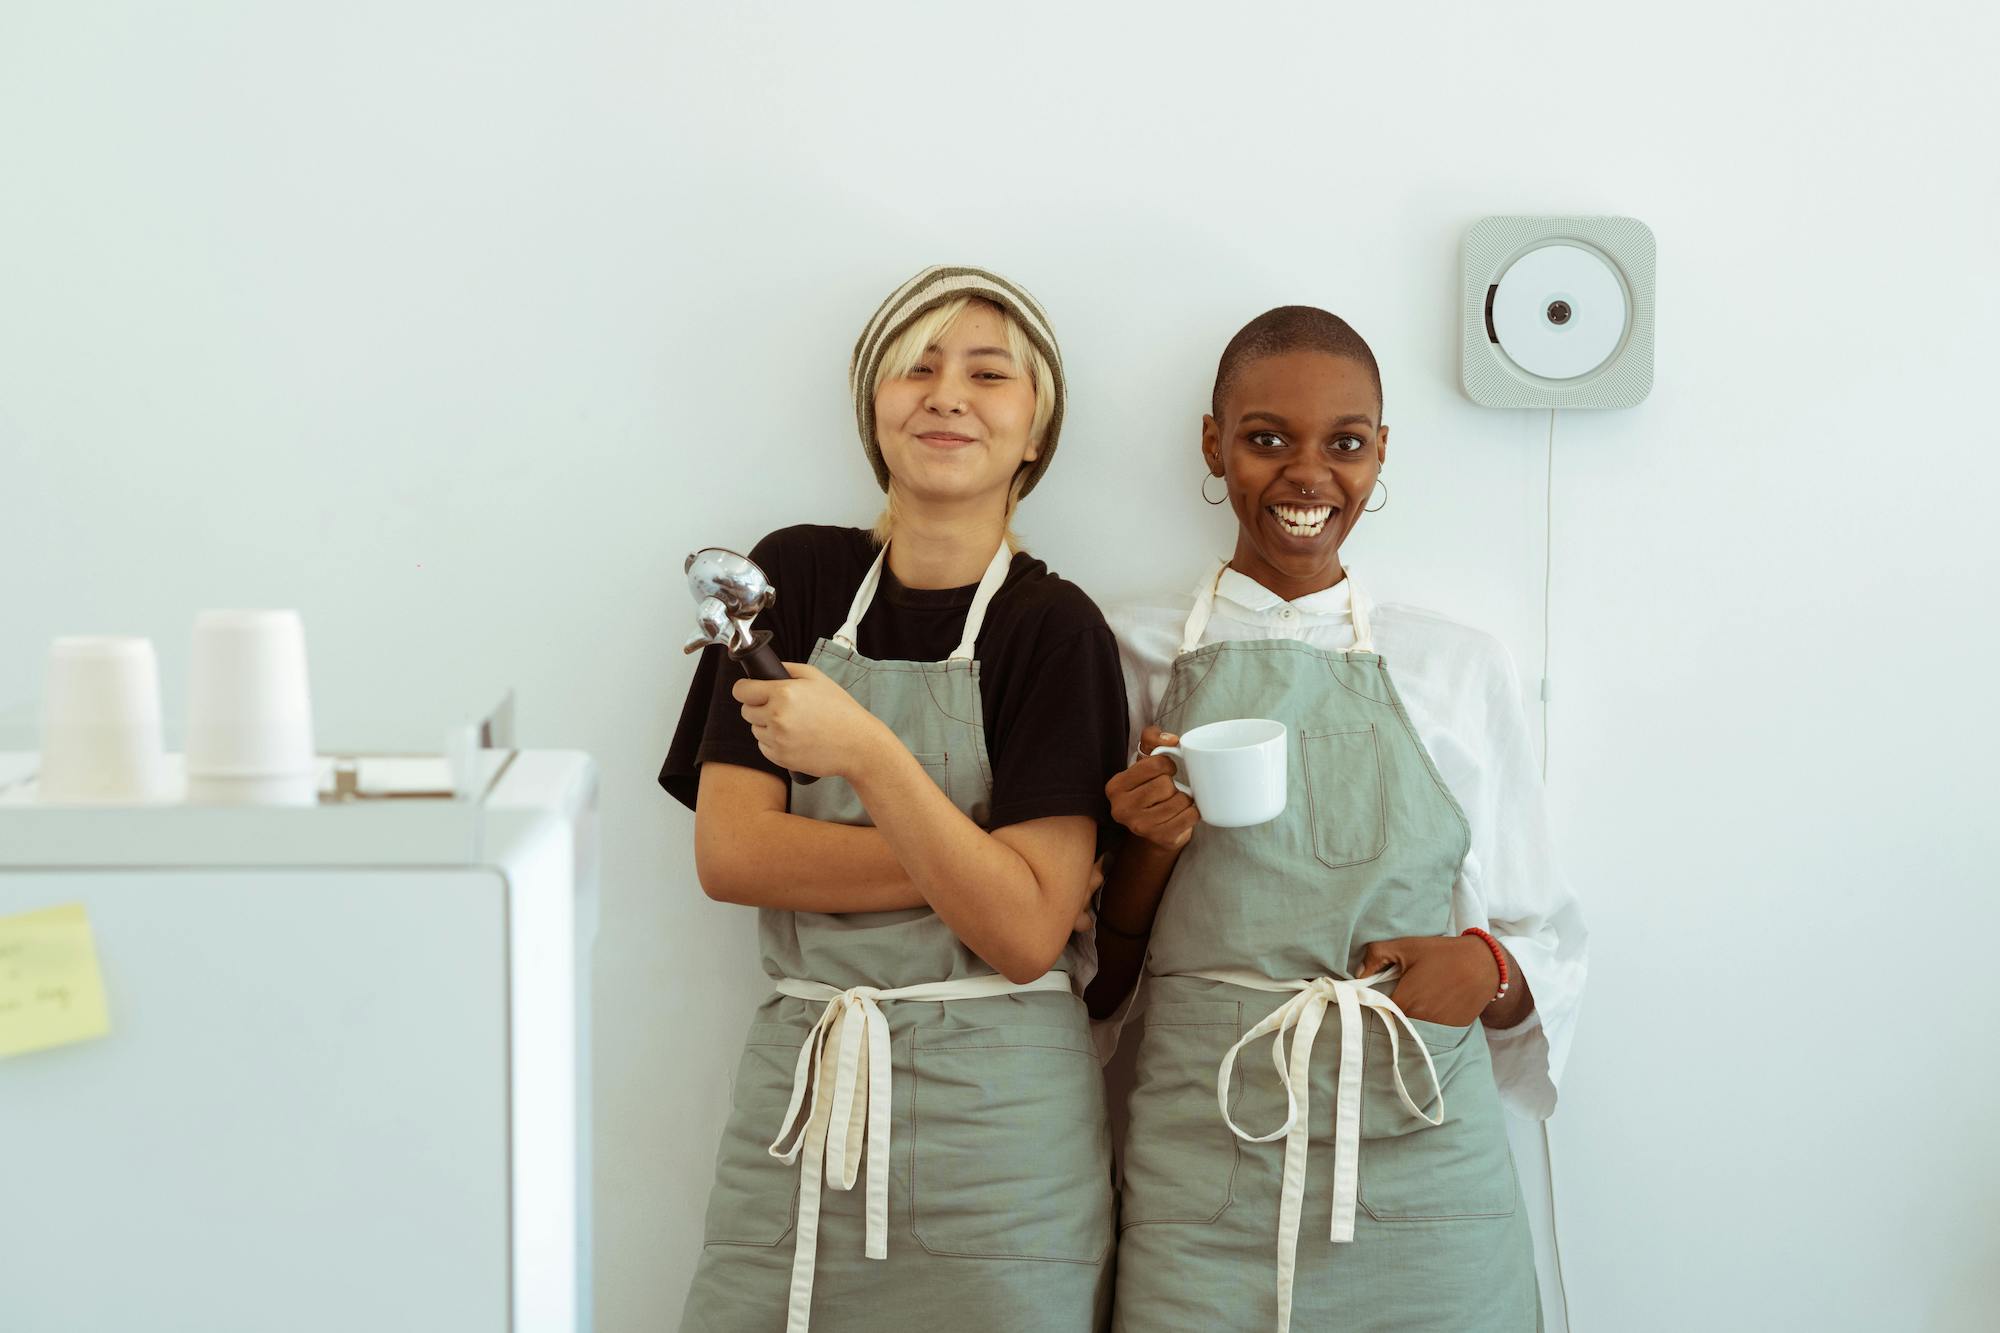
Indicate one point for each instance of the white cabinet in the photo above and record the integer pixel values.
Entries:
(346, 1082)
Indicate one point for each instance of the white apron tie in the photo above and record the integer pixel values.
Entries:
(1304, 1011)
(850, 1045)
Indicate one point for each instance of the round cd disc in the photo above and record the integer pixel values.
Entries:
(1559, 311)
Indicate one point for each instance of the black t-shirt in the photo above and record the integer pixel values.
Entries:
(1050, 688)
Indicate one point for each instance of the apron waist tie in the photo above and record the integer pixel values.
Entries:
(1302, 1014)
(850, 1045)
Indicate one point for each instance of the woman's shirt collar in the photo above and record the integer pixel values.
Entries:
(1247, 599)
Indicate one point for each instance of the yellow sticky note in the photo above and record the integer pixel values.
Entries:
(51, 993)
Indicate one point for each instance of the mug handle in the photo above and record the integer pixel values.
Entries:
(1173, 752)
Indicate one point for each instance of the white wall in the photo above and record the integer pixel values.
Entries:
(455, 325)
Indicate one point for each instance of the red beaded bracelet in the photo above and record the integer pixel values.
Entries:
(1499, 958)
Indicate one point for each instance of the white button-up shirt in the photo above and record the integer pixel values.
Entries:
(1463, 698)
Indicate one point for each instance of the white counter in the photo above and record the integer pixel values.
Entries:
(346, 1085)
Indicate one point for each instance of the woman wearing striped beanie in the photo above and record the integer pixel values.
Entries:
(895, 342)
(918, 1123)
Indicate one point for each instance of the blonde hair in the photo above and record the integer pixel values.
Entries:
(924, 333)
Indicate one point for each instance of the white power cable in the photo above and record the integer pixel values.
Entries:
(1548, 579)
(1548, 582)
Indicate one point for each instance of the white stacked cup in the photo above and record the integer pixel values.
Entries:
(101, 722)
(250, 735)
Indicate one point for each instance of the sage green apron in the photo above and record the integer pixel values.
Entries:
(1391, 1124)
(913, 1140)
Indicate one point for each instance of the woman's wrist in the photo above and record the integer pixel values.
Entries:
(1503, 978)
(1151, 854)
(1128, 907)
(878, 756)
(1110, 927)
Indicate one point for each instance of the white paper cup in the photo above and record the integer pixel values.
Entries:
(101, 721)
(1235, 770)
(250, 735)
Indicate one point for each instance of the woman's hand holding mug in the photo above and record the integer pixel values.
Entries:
(1145, 800)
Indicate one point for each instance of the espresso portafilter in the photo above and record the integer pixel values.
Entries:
(730, 591)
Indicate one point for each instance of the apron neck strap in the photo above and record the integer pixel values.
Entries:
(989, 584)
(863, 597)
(1357, 611)
(975, 617)
(1204, 607)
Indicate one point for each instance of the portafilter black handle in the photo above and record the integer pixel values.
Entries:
(760, 661)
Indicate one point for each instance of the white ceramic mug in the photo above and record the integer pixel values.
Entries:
(101, 721)
(250, 733)
(1235, 770)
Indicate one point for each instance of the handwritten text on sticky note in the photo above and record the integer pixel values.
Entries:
(50, 990)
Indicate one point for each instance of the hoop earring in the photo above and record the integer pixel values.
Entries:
(1376, 509)
(1205, 479)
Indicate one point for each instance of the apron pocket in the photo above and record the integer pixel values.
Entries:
(938, 767)
(755, 1194)
(1180, 1158)
(1412, 1171)
(1010, 1143)
(1384, 1115)
(1344, 795)
(1442, 1038)
(834, 800)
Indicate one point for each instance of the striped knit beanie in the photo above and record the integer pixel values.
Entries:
(928, 290)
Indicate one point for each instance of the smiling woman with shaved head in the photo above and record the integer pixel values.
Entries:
(1399, 930)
